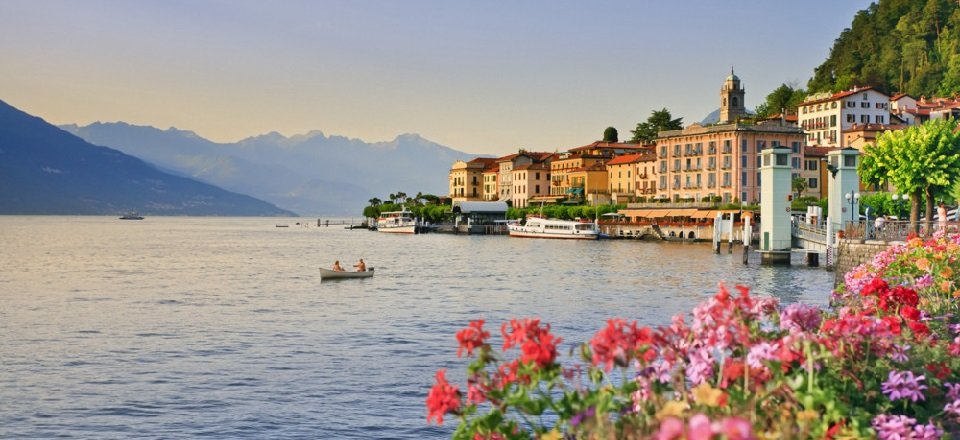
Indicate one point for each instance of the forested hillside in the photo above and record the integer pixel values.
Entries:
(910, 46)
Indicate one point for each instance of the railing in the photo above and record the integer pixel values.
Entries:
(893, 230)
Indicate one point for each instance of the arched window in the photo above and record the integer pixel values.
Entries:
(734, 101)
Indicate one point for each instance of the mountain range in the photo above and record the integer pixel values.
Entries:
(45, 170)
(310, 173)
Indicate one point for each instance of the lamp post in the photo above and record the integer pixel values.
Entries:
(852, 197)
(897, 198)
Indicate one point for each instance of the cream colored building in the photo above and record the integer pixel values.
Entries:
(466, 179)
(824, 117)
(529, 181)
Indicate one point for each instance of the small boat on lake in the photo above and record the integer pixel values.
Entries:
(131, 216)
(397, 222)
(326, 274)
(536, 227)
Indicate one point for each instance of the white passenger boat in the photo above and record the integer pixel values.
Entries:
(536, 227)
(397, 222)
(330, 274)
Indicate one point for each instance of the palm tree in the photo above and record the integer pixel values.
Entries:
(374, 201)
(393, 198)
(799, 185)
(401, 196)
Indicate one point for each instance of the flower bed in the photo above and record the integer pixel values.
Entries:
(882, 362)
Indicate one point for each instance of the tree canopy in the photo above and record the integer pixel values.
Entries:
(920, 160)
(659, 120)
(783, 98)
(610, 135)
(910, 46)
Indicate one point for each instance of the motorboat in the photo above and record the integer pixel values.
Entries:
(397, 222)
(326, 274)
(536, 227)
(131, 216)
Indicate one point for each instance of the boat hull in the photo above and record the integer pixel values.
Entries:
(326, 274)
(407, 229)
(523, 234)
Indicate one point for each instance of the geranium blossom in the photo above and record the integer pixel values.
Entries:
(443, 398)
(471, 337)
(904, 385)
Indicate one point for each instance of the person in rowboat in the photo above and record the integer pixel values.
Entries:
(361, 266)
(337, 267)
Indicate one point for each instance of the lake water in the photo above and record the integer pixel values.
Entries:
(220, 327)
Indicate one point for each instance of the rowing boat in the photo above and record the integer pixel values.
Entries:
(332, 274)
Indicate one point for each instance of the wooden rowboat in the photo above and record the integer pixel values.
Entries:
(331, 274)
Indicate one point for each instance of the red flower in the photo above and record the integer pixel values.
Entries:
(471, 337)
(910, 313)
(443, 398)
(876, 286)
(920, 330)
(619, 342)
(940, 370)
(732, 372)
(536, 343)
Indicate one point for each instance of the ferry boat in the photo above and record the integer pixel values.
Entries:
(397, 222)
(536, 227)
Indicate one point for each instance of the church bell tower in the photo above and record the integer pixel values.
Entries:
(731, 100)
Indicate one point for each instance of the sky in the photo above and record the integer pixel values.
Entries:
(483, 77)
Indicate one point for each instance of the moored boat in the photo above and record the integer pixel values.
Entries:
(536, 227)
(332, 274)
(397, 222)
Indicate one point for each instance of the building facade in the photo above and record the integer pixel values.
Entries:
(530, 181)
(466, 179)
(632, 177)
(732, 105)
(720, 160)
(824, 117)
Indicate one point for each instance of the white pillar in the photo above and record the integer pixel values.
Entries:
(843, 180)
(775, 172)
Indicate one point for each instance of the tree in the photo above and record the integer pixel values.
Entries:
(610, 135)
(375, 202)
(659, 120)
(799, 185)
(784, 98)
(920, 161)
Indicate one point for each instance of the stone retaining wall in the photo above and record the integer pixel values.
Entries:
(852, 253)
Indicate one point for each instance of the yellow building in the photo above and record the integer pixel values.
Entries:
(632, 176)
(815, 171)
(466, 179)
(530, 181)
(491, 184)
(561, 168)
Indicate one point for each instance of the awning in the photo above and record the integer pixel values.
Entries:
(705, 214)
(687, 212)
(575, 191)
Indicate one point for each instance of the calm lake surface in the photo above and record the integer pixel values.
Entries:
(220, 327)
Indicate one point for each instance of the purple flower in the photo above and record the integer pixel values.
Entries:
(955, 328)
(953, 409)
(899, 353)
(923, 282)
(800, 317)
(953, 390)
(578, 419)
(904, 385)
(927, 432)
(893, 427)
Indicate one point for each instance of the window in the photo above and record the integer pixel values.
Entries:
(743, 161)
(865, 119)
(865, 96)
(879, 119)
(743, 178)
(726, 179)
(758, 179)
(795, 147)
(795, 162)
(864, 105)
(663, 182)
(810, 165)
(538, 177)
(812, 183)
(726, 146)
(833, 104)
(833, 120)
(851, 117)
(711, 163)
(676, 150)
(663, 151)
(761, 145)
(774, 144)
(726, 162)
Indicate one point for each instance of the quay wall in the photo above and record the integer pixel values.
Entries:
(852, 253)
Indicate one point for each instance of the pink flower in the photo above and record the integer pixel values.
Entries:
(953, 390)
(700, 366)
(800, 317)
(903, 385)
(671, 428)
(736, 428)
(899, 353)
(893, 427)
(953, 409)
(761, 352)
(700, 428)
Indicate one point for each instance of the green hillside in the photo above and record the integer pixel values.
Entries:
(910, 46)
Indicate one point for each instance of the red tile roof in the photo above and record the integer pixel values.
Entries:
(532, 166)
(874, 127)
(599, 145)
(817, 151)
(630, 158)
(838, 95)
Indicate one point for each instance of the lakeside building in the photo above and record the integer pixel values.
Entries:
(581, 173)
(491, 184)
(505, 174)
(721, 161)
(632, 177)
(859, 135)
(815, 171)
(825, 116)
(530, 180)
(466, 179)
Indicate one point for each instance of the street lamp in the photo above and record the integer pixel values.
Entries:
(853, 198)
(897, 198)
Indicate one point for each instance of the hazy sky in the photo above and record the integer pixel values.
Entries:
(477, 76)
